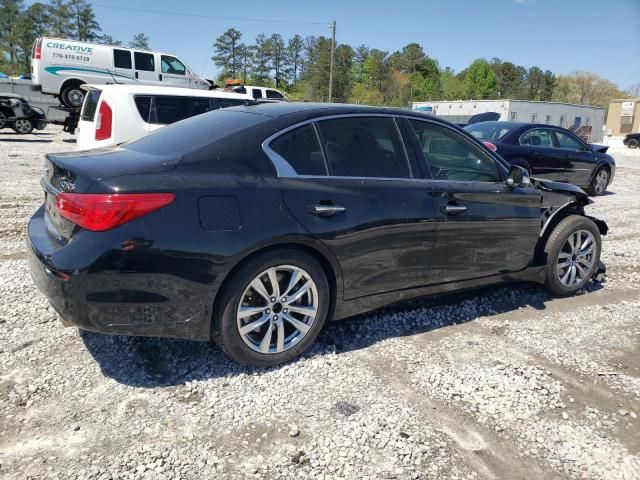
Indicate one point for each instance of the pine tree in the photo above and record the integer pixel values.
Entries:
(227, 52)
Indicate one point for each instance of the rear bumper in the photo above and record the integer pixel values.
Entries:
(95, 296)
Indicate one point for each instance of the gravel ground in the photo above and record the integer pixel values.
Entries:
(504, 383)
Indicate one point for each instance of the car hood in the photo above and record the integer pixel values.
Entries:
(599, 148)
(561, 187)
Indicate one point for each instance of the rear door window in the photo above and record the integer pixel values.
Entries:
(300, 149)
(122, 58)
(364, 147)
(90, 105)
(170, 109)
(257, 93)
(538, 137)
(226, 102)
(144, 61)
(450, 156)
(143, 104)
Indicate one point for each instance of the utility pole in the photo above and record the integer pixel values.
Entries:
(333, 50)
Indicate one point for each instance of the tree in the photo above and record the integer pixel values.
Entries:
(227, 52)
(10, 12)
(633, 91)
(453, 87)
(479, 80)
(140, 42)
(34, 22)
(585, 88)
(276, 50)
(342, 73)
(109, 40)
(60, 16)
(509, 78)
(261, 57)
(246, 56)
(86, 27)
(294, 58)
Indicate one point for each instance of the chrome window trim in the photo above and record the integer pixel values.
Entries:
(285, 170)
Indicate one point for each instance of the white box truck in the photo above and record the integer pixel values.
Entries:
(60, 66)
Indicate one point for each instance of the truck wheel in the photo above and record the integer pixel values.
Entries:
(573, 253)
(633, 143)
(72, 96)
(3, 120)
(22, 126)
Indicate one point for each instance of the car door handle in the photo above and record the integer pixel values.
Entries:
(326, 210)
(160, 76)
(454, 209)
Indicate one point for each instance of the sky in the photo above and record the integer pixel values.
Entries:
(602, 36)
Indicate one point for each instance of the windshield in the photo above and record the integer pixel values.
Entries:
(489, 130)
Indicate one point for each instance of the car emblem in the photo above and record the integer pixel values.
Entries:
(67, 186)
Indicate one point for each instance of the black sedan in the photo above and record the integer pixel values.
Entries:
(549, 152)
(15, 112)
(632, 140)
(254, 225)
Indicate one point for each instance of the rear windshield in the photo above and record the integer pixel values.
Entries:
(167, 109)
(90, 105)
(489, 131)
(196, 132)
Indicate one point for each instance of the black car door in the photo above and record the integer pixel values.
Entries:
(348, 182)
(484, 227)
(576, 155)
(537, 147)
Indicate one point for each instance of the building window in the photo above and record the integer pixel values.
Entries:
(547, 120)
(534, 117)
(514, 116)
(561, 122)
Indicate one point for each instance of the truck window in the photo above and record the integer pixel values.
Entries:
(274, 94)
(172, 65)
(121, 58)
(144, 61)
(170, 109)
(257, 93)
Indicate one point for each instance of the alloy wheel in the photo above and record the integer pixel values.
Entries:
(3, 120)
(601, 181)
(23, 126)
(576, 258)
(277, 309)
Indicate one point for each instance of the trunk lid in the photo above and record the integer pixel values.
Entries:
(81, 172)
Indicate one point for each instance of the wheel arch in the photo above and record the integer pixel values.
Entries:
(316, 250)
(71, 81)
(599, 165)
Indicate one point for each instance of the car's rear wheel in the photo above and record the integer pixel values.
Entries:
(272, 308)
(600, 182)
(72, 96)
(633, 143)
(23, 126)
(573, 252)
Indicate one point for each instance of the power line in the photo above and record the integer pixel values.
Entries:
(219, 17)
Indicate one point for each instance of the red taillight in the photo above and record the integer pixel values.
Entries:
(37, 53)
(490, 146)
(103, 123)
(99, 212)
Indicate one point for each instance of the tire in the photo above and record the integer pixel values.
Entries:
(273, 319)
(3, 120)
(23, 126)
(599, 183)
(562, 257)
(633, 143)
(72, 96)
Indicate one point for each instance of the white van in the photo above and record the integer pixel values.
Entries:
(60, 66)
(113, 114)
(259, 93)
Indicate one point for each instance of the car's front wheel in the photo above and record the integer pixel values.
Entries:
(599, 183)
(23, 126)
(633, 143)
(573, 252)
(272, 308)
(3, 120)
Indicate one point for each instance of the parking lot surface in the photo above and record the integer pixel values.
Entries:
(503, 383)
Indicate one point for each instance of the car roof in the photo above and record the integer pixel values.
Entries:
(159, 90)
(516, 125)
(309, 109)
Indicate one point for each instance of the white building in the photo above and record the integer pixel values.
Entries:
(551, 113)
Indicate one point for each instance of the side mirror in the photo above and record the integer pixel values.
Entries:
(518, 177)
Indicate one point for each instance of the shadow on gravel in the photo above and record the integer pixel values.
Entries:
(157, 362)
